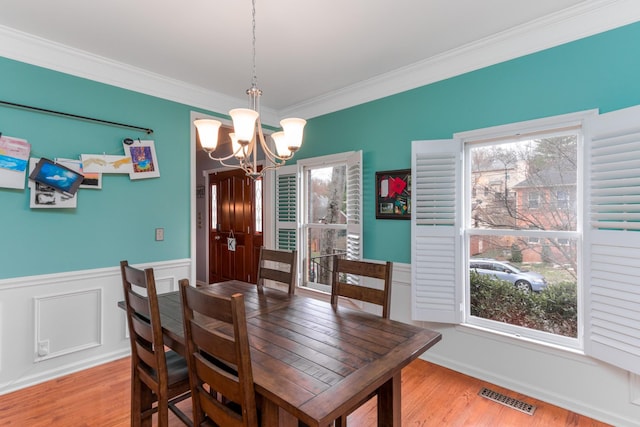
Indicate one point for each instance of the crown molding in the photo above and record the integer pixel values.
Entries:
(586, 19)
(45, 53)
(571, 24)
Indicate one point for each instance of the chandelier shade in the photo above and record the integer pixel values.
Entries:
(208, 132)
(281, 144)
(247, 132)
(244, 123)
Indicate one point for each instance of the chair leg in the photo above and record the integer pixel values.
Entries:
(163, 411)
(341, 421)
(136, 404)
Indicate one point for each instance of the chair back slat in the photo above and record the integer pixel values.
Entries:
(139, 304)
(214, 343)
(279, 266)
(276, 275)
(217, 345)
(345, 269)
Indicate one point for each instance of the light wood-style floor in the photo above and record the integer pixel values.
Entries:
(431, 396)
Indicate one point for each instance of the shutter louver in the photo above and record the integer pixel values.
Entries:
(286, 199)
(435, 231)
(435, 180)
(354, 206)
(612, 314)
(615, 182)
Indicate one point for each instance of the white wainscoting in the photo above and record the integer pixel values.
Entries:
(52, 325)
(67, 322)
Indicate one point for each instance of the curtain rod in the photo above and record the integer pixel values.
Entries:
(75, 116)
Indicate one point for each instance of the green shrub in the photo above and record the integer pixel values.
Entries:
(553, 310)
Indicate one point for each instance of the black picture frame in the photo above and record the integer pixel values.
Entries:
(393, 194)
(57, 176)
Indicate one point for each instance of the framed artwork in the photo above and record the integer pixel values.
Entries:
(43, 196)
(393, 194)
(144, 163)
(14, 159)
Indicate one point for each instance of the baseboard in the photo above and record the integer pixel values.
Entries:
(60, 371)
(534, 392)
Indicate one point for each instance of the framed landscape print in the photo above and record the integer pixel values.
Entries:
(393, 194)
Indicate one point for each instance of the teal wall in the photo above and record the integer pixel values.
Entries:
(600, 72)
(118, 221)
(108, 225)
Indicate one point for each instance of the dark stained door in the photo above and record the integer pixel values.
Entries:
(233, 214)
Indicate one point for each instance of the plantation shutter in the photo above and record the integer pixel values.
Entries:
(612, 239)
(435, 230)
(286, 208)
(354, 206)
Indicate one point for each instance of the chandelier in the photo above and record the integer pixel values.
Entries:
(245, 137)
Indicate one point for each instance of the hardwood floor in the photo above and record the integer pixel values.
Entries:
(431, 396)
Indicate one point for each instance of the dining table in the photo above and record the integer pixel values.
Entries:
(312, 361)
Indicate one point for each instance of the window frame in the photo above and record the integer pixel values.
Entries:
(548, 127)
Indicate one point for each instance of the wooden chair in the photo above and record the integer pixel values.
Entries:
(219, 360)
(343, 271)
(285, 259)
(164, 373)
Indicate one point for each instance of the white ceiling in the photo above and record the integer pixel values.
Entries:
(309, 52)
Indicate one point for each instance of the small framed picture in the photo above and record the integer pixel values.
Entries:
(393, 194)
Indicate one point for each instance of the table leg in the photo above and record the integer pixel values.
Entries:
(389, 403)
(273, 415)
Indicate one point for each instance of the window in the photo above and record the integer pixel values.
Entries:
(257, 202)
(328, 207)
(214, 206)
(593, 239)
(501, 297)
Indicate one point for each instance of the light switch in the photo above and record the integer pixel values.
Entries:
(159, 234)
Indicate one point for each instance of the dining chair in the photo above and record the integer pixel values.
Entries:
(349, 278)
(220, 371)
(279, 266)
(164, 373)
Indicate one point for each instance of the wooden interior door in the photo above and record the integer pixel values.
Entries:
(233, 212)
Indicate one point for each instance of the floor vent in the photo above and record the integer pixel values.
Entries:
(507, 401)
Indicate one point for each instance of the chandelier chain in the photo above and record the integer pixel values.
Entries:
(254, 79)
(248, 131)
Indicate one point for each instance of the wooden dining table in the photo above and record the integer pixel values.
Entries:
(312, 361)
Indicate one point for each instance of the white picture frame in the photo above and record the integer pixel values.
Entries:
(144, 162)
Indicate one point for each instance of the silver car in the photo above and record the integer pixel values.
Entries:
(522, 279)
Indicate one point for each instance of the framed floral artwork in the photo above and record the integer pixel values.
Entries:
(393, 194)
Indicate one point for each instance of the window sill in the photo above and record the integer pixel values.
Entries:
(527, 343)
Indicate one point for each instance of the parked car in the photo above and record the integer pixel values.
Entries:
(523, 279)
